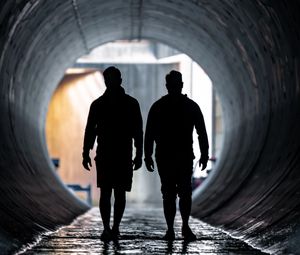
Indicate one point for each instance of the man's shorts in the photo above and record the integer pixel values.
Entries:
(176, 178)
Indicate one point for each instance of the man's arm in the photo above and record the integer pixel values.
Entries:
(149, 140)
(89, 138)
(138, 137)
(202, 136)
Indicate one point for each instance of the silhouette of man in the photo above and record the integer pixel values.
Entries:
(115, 119)
(170, 125)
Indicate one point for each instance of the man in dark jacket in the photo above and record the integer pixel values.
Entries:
(170, 125)
(115, 119)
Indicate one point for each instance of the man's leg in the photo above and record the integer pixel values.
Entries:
(168, 189)
(105, 207)
(169, 204)
(185, 205)
(119, 207)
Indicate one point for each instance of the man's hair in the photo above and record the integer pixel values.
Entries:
(112, 72)
(173, 77)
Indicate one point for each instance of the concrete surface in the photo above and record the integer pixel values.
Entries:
(142, 230)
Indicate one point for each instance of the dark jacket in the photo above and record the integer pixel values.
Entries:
(170, 124)
(115, 119)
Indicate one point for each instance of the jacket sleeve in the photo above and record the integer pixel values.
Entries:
(138, 131)
(150, 133)
(201, 131)
(90, 132)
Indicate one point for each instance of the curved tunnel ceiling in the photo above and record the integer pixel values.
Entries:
(250, 50)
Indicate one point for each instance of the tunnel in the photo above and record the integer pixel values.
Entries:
(249, 49)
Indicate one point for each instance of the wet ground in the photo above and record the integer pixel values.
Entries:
(141, 233)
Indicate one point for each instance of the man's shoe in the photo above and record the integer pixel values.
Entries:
(169, 236)
(106, 235)
(188, 234)
(115, 233)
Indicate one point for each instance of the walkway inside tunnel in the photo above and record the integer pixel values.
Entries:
(249, 49)
(141, 233)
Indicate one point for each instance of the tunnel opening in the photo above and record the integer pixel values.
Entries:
(250, 51)
(144, 65)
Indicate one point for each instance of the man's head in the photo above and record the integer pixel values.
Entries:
(174, 82)
(112, 77)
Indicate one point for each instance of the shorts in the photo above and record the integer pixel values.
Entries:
(176, 178)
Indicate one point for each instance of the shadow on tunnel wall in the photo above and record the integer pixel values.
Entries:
(250, 50)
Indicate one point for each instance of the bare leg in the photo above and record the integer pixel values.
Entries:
(119, 207)
(185, 204)
(169, 195)
(170, 212)
(105, 207)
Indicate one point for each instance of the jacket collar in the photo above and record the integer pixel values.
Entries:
(118, 91)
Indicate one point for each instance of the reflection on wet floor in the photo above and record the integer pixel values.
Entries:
(141, 233)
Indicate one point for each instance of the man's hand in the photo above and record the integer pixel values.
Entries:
(137, 163)
(87, 163)
(149, 164)
(203, 162)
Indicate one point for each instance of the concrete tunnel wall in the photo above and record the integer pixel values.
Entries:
(250, 50)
